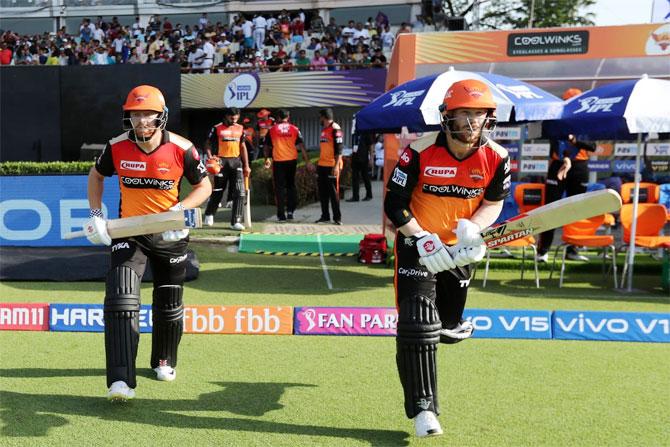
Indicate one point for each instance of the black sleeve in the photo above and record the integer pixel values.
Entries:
(213, 141)
(501, 183)
(105, 164)
(401, 183)
(267, 147)
(194, 168)
(338, 141)
(589, 147)
(299, 139)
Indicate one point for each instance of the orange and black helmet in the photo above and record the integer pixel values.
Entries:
(569, 93)
(468, 94)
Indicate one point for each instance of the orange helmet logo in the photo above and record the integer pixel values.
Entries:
(145, 97)
(469, 94)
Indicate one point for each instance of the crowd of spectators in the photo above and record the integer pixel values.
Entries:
(265, 42)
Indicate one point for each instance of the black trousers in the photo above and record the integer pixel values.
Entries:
(329, 192)
(574, 183)
(360, 169)
(286, 197)
(227, 177)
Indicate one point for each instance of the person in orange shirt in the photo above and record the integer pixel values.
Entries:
(281, 152)
(568, 173)
(446, 187)
(150, 163)
(250, 136)
(328, 167)
(226, 141)
(264, 123)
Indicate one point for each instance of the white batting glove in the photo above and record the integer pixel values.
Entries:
(95, 228)
(175, 235)
(433, 254)
(468, 254)
(467, 233)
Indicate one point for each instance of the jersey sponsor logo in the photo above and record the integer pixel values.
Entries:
(399, 177)
(438, 171)
(406, 157)
(594, 104)
(147, 183)
(476, 174)
(403, 98)
(462, 192)
(412, 273)
(120, 246)
(163, 167)
(133, 165)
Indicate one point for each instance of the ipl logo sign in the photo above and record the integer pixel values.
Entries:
(241, 91)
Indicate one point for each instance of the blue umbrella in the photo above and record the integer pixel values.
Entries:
(623, 110)
(414, 104)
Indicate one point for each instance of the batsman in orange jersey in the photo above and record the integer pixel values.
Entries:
(150, 163)
(446, 187)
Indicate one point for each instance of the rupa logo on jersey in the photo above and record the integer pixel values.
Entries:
(403, 98)
(440, 171)
(594, 104)
(133, 165)
(242, 90)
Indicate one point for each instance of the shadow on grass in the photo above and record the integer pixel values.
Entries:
(30, 415)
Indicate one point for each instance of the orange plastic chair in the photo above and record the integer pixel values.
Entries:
(651, 218)
(649, 192)
(527, 196)
(582, 233)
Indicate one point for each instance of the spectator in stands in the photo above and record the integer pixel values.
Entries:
(382, 20)
(297, 48)
(404, 28)
(316, 25)
(378, 60)
(101, 57)
(387, 38)
(136, 27)
(204, 20)
(331, 61)
(259, 25)
(281, 53)
(285, 28)
(297, 30)
(332, 30)
(275, 62)
(247, 31)
(348, 33)
(361, 34)
(302, 62)
(167, 25)
(318, 62)
(418, 24)
(232, 66)
(85, 31)
(208, 61)
(98, 33)
(6, 54)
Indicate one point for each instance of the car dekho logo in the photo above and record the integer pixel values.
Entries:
(242, 90)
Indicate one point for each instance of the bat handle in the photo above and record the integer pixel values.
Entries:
(74, 234)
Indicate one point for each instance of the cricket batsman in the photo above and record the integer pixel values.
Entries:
(445, 188)
(150, 163)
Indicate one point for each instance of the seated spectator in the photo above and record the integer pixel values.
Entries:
(387, 38)
(134, 58)
(232, 66)
(296, 51)
(332, 30)
(404, 28)
(246, 65)
(167, 25)
(314, 44)
(348, 33)
(281, 53)
(382, 20)
(418, 24)
(316, 24)
(275, 62)
(318, 62)
(6, 54)
(297, 31)
(361, 34)
(100, 57)
(331, 62)
(302, 61)
(378, 60)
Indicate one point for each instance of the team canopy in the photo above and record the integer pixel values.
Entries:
(414, 104)
(623, 110)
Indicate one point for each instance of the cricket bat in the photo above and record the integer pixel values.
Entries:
(553, 215)
(149, 224)
(247, 204)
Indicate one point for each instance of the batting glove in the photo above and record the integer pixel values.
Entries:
(432, 253)
(95, 228)
(468, 254)
(467, 233)
(175, 235)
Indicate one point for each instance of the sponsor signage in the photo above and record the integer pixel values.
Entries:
(24, 317)
(87, 318)
(604, 149)
(625, 149)
(535, 150)
(660, 165)
(514, 165)
(547, 43)
(539, 166)
(658, 149)
(39, 215)
(599, 166)
(612, 326)
(345, 321)
(242, 90)
(512, 149)
(267, 320)
(506, 133)
(623, 166)
(500, 323)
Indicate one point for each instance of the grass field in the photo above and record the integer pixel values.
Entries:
(339, 391)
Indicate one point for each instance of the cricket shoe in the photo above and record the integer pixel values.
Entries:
(237, 226)
(209, 220)
(120, 392)
(165, 372)
(542, 259)
(426, 424)
(463, 330)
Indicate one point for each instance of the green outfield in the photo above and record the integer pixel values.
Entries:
(241, 390)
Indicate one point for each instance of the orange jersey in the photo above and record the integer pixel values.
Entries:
(226, 140)
(249, 134)
(330, 143)
(442, 189)
(264, 127)
(149, 182)
(282, 140)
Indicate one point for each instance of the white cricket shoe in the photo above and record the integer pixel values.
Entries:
(462, 331)
(543, 259)
(237, 226)
(165, 372)
(120, 392)
(209, 220)
(229, 204)
(426, 424)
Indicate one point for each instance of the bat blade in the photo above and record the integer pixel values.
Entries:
(149, 224)
(247, 205)
(553, 215)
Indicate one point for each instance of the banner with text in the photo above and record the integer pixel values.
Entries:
(267, 320)
(612, 326)
(24, 317)
(345, 320)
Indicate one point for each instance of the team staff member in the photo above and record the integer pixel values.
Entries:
(227, 140)
(264, 123)
(361, 163)
(328, 167)
(568, 173)
(446, 187)
(281, 152)
(150, 163)
(250, 136)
